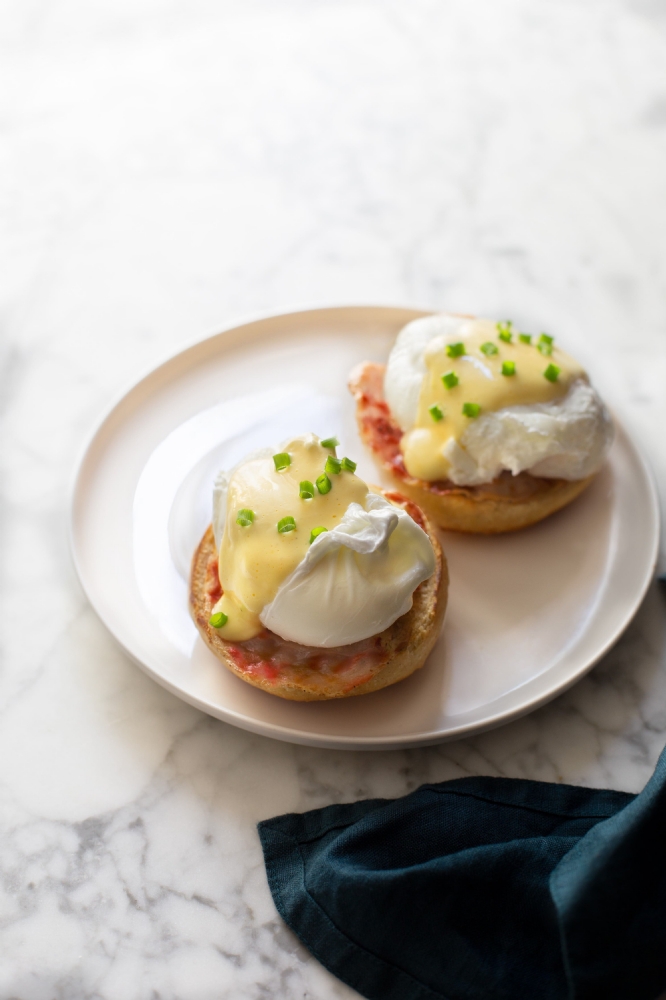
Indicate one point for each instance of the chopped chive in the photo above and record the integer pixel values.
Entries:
(455, 350)
(525, 338)
(552, 373)
(316, 532)
(545, 344)
(471, 409)
(323, 483)
(245, 517)
(508, 368)
(489, 348)
(331, 442)
(286, 524)
(333, 465)
(348, 465)
(504, 331)
(282, 461)
(435, 412)
(450, 379)
(218, 619)
(306, 490)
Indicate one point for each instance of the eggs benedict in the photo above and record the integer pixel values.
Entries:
(312, 585)
(489, 428)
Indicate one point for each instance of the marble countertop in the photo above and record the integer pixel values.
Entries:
(167, 167)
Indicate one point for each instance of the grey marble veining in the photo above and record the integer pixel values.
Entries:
(167, 167)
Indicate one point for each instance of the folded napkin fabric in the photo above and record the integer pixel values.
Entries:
(488, 888)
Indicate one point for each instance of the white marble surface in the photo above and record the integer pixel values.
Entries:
(168, 166)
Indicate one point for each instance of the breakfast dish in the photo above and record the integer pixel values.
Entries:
(489, 429)
(529, 614)
(311, 585)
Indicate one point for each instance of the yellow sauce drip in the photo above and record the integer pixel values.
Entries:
(254, 560)
(480, 380)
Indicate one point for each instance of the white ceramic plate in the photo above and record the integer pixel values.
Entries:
(529, 613)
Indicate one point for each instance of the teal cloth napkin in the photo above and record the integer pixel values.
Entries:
(481, 889)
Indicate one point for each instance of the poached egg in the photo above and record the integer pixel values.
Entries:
(309, 551)
(475, 398)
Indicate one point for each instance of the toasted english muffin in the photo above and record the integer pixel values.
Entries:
(309, 673)
(506, 504)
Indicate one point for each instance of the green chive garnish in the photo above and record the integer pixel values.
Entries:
(545, 344)
(504, 331)
(333, 465)
(525, 338)
(282, 461)
(348, 465)
(331, 442)
(435, 412)
(286, 524)
(218, 619)
(551, 373)
(306, 490)
(471, 409)
(508, 368)
(455, 350)
(450, 379)
(316, 532)
(323, 483)
(244, 517)
(489, 348)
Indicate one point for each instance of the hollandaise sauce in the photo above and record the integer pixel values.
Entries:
(488, 367)
(276, 508)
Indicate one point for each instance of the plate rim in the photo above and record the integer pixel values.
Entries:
(298, 736)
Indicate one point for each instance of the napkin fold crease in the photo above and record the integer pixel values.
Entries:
(488, 888)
